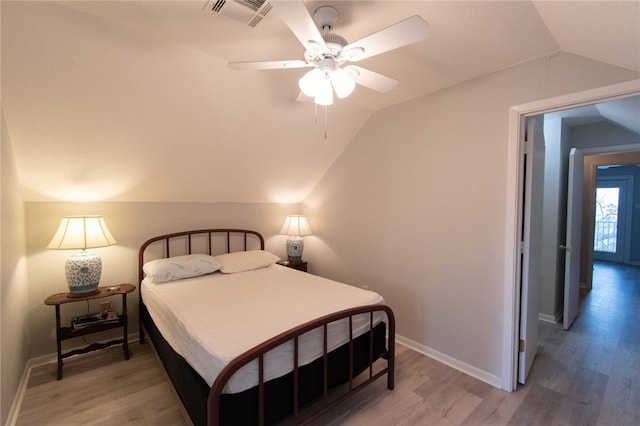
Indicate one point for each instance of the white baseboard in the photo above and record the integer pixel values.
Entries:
(451, 362)
(12, 418)
(555, 319)
(36, 362)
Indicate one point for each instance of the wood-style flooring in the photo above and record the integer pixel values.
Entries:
(589, 375)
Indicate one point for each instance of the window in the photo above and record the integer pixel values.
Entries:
(606, 230)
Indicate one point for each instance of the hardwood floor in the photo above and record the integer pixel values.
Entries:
(101, 388)
(589, 375)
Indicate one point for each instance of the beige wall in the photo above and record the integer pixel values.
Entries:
(131, 224)
(415, 207)
(554, 217)
(14, 339)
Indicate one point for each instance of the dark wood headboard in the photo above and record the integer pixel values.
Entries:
(201, 241)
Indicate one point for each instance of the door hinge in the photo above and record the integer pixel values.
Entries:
(522, 245)
(521, 346)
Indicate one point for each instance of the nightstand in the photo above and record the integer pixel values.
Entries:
(64, 333)
(300, 265)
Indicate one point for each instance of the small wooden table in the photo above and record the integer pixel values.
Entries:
(300, 265)
(64, 333)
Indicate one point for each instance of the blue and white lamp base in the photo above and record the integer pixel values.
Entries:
(295, 246)
(83, 272)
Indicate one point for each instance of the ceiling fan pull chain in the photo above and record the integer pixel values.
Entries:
(326, 120)
(315, 109)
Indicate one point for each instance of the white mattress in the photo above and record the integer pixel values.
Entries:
(212, 319)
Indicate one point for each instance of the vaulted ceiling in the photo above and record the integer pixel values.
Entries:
(134, 101)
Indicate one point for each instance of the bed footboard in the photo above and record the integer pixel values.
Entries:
(258, 353)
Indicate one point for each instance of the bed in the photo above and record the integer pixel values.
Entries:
(247, 341)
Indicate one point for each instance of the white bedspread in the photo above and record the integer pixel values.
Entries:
(212, 319)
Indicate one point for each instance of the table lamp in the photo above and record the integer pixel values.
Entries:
(83, 269)
(296, 227)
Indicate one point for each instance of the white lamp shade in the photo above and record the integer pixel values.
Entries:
(310, 82)
(81, 232)
(342, 82)
(296, 225)
(324, 96)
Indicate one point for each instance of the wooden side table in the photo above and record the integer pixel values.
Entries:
(64, 333)
(300, 265)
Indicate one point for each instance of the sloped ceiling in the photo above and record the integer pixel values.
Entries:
(624, 113)
(134, 101)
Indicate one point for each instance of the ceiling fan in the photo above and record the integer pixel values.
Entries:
(329, 54)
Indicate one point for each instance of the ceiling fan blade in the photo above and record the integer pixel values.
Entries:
(267, 65)
(405, 32)
(296, 16)
(373, 80)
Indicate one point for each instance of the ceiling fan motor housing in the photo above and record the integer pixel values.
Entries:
(327, 64)
(325, 17)
(334, 44)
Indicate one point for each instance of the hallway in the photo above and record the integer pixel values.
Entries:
(590, 374)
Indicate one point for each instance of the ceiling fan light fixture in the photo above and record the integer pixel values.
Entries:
(311, 81)
(342, 83)
(324, 95)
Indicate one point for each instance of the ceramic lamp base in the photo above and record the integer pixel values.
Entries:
(295, 246)
(83, 272)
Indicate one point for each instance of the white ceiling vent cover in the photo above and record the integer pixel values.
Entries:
(249, 12)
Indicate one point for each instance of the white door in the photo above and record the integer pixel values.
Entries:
(574, 235)
(531, 245)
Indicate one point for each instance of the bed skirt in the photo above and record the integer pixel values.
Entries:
(241, 408)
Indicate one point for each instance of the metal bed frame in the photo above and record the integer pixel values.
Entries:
(241, 240)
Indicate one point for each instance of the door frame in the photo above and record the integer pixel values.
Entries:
(513, 222)
(532, 163)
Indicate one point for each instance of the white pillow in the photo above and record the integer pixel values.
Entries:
(180, 267)
(245, 261)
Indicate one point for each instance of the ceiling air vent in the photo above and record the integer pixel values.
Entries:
(249, 12)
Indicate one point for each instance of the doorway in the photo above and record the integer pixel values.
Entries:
(612, 231)
(562, 268)
(513, 244)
